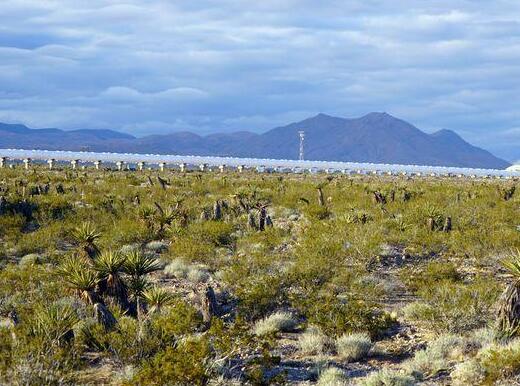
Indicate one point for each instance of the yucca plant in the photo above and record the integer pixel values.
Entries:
(137, 285)
(80, 278)
(146, 214)
(138, 264)
(86, 236)
(509, 302)
(319, 188)
(164, 218)
(157, 298)
(55, 324)
(109, 266)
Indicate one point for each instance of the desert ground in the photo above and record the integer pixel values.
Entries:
(167, 278)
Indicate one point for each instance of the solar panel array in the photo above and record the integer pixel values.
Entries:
(259, 164)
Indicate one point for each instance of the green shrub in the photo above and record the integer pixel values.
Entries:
(454, 307)
(186, 364)
(500, 361)
(179, 319)
(433, 273)
(336, 316)
(317, 212)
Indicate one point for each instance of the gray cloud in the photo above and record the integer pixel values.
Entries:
(152, 66)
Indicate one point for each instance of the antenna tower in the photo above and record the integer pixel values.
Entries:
(302, 140)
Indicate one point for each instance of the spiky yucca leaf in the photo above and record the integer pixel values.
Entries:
(512, 264)
(509, 303)
(137, 286)
(109, 267)
(138, 264)
(86, 236)
(55, 323)
(157, 298)
(80, 278)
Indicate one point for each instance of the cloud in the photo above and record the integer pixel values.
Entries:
(159, 65)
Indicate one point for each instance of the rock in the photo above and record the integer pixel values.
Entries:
(31, 259)
(129, 248)
(157, 246)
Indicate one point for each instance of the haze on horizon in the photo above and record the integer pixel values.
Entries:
(159, 66)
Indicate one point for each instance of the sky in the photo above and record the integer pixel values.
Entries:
(158, 66)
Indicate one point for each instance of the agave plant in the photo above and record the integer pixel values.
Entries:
(55, 324)
(80, 279)
(86, 236)
(109, 267)
(157, 298)
(509, 303)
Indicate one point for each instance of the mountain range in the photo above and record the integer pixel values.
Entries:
(375, 137)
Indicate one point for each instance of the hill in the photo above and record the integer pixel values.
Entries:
(375, 137)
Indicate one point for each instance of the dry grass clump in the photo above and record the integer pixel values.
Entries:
(313, 341)
(436, 357)
(353, 347)
(387, 377)
(278, 322)
(332, 376)
(468, 373)
(182, 270)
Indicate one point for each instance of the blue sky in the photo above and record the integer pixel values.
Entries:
(155, 66)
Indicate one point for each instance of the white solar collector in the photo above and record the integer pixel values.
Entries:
(104, 157)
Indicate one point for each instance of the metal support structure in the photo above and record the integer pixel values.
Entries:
(302, 140)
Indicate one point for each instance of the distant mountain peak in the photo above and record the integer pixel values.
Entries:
(445, 133)
(322, 117)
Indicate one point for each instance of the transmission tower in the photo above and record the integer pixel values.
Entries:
(302, 140)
